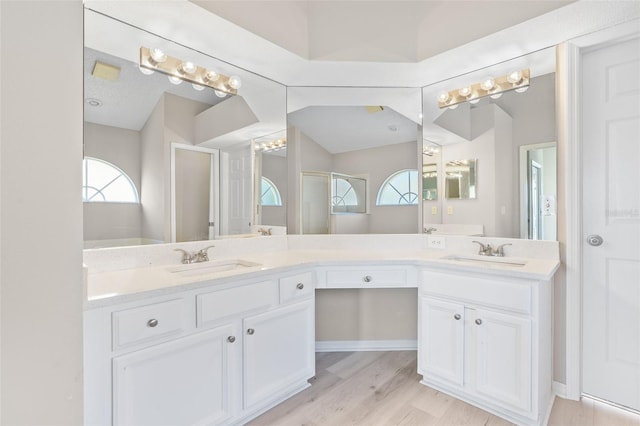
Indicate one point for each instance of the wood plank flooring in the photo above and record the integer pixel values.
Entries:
(382, 388)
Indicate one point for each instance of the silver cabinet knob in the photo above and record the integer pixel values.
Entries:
(367, 279)
(478, 321)
(594, 240)
(300, 286)
(231, 339)
(457, 317)
(250, 331)
(152, 322)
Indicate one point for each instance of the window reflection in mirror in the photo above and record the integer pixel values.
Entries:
(348, 194)
(460, 180)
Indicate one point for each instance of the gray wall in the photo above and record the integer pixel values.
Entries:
(41, 213)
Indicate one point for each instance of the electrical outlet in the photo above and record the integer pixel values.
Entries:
(434, 210)
(449, 209)
(436, 241)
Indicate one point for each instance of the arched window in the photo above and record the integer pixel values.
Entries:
(104, 182)
(400, 189)
(270, 194)
(343, 194)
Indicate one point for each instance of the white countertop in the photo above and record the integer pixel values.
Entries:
(107, 287)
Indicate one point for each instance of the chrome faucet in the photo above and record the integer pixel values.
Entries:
(430, 230)
(263, 231)
(487, 250)
(201, 255)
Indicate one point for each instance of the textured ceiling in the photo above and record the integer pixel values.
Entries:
(375, 31)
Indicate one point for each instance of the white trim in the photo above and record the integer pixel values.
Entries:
(366, 345)
(559, 389)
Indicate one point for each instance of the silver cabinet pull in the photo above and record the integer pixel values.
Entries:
(478, 321)
(367, 279)
(231, 339)
(152, 322)
(250, 331)
(457, 317)
(595, 240)
(300, 286)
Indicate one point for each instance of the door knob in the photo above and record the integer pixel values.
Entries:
(594, 240)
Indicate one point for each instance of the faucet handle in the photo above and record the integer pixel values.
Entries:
(500, 250)
(186, 256)
(483, 248)
(203, 254)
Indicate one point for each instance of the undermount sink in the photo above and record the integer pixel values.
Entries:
(211, 267)
(487, 260)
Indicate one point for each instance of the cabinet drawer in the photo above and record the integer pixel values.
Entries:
(510, 294)
(150, 322)
(368, 277)
(296, 287)
(216, 305)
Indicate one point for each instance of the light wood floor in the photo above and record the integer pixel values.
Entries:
(382, 388)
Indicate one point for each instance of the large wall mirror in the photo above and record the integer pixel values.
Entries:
(509, 139)
(167, 162)
(360, 144)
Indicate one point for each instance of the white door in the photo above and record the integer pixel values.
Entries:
(441, 340)
(238, 202)
(502, 352)
(183, 382)
(611, 214)
(279, 350)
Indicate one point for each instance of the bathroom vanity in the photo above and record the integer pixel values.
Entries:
(220, 342)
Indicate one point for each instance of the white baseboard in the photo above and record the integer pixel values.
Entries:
(560, 389)
(366, 345)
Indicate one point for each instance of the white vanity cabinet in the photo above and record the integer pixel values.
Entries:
(218, 354)
(184, 381)
(487, 339)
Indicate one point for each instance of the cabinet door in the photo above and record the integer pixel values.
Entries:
(186, 381)
(503, 358)
(279, 351)
(441, 345)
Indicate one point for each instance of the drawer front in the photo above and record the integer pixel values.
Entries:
(296, 287)
(370, 277)
(150, 323)
(217, 305)
(513, 295)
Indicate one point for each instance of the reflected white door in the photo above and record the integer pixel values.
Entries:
(315, 203)
(611, 210)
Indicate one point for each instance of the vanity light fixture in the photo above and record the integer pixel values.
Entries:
(430, 150)
(517, 80)
(275, 145)
(178, 71)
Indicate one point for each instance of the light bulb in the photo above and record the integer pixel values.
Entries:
(157, 55)
(522, 89)
(174, 80)
(496, 96)
(465, 91)
(474, 101)
(188, 67)
(514, 77)
(234, 82)
(453, 106)
(198, 87)
(220, 94)
(488, 84)
(146, 71)
(443, 97)
(211, 76)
